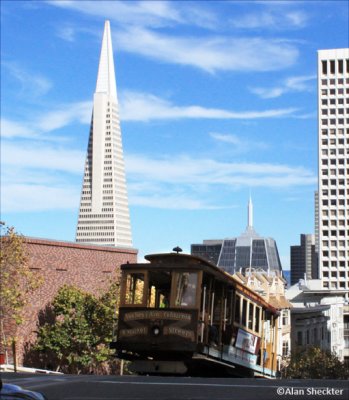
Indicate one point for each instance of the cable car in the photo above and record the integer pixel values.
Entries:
(180, 314)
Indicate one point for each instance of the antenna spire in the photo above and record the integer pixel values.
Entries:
(250, 213)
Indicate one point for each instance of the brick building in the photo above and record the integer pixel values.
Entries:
(88, 267)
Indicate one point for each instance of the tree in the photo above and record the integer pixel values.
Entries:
(17, 282)
(77, 340)
(315, 363)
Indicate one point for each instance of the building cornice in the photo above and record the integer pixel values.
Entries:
(61, 243)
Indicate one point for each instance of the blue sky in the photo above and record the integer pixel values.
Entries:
(217, 101)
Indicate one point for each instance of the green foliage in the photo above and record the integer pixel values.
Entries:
(77, 339)
(17, 281)
(315, 363)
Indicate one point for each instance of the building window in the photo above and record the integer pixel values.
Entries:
(300, 338)
(285, 348)
(332, 67)
(324, 67)
(315, 335)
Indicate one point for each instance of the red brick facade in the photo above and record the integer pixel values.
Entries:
(88, 267)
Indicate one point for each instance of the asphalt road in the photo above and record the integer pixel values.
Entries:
(90, 387)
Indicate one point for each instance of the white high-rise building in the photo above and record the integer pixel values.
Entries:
(333, 207)
(104, 212)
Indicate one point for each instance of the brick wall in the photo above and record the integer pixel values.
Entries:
(88, 267)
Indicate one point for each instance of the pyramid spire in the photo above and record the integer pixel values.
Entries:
(106, 73)
(104, 212)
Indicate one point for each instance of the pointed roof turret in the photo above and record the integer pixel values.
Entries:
(106, 72)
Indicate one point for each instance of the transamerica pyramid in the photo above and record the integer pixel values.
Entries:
(104, 216)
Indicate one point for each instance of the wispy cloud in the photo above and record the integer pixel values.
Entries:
(67, 33)
(140, 13)
(292, 84)
(63, 116)
(169, 169)
(151, 14)
(136, 106)
(169, 201)
(211, 53)
(190, 183)
(42, 157)
(38, 198)
(138, 30)
(311, 115)
(239, 144)
(32, 178)
(12, 129)
(37, 126)
(189, 170)
(31, 84)
(274, 20)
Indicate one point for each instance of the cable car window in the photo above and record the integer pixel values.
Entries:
(159, 289)
(244, 312)
(237, 309)
(185, 289)
(134, 288)
(257, 318)
(151, 296)
(250, 316)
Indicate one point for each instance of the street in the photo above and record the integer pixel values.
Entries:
(91, 387)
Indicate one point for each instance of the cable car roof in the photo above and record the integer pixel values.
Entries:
(188, 261)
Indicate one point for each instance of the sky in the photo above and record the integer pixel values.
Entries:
(218, 101)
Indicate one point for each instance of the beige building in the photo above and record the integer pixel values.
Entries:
(271, 286)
